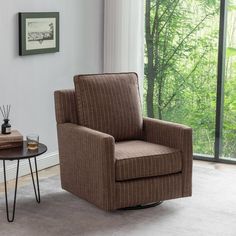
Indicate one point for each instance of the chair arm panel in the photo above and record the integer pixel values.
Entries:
(87, 160)
(175, 136)
(65, 106)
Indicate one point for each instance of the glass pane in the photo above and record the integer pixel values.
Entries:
(229, 125)
(181, 65)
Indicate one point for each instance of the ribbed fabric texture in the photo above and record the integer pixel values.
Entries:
(175, 136)
(65, 106)
(110, 103)
(139, 159)
(87, 164)
(147, 190)
(113, 174)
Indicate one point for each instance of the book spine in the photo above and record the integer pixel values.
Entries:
(11, 145)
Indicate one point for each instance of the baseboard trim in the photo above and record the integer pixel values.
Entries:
(44, 161)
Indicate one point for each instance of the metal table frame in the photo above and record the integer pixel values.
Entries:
(35, 180)
(36, 187)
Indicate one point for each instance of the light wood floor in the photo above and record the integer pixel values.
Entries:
(55, 170)
(24, 180)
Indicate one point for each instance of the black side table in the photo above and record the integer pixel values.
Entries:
(18, 154)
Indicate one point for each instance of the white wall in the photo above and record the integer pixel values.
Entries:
(27, 83)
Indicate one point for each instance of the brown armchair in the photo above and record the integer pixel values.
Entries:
(109, 154)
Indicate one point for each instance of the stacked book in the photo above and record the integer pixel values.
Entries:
(15, 139)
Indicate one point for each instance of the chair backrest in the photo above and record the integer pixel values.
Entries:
(110, 103)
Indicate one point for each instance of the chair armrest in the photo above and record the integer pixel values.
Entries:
(166, 133)
(175, 136)
(87, 156)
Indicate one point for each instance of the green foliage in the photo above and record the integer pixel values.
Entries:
(231, 5)
(230, 52)
(181, 69)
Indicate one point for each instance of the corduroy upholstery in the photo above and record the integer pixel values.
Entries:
(65, 103)
(110, 103)
(110, 173)
(139, 159)
(148, 190)
(175, 136)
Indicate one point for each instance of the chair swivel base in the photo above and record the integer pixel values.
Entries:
(143, 206)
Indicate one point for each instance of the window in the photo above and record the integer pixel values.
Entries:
(182, 70)
(229, 121)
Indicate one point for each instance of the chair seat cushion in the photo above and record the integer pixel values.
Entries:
(139, 159)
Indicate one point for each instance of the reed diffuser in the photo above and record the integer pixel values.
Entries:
(6, 127)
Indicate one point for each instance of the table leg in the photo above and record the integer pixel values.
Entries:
(36, 191)
(5, 184)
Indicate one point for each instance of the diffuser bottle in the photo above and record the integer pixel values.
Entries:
(6, 127)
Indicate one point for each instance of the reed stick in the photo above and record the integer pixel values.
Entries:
(2, 113)
(5, 111)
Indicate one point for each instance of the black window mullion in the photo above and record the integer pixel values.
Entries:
(220, 79)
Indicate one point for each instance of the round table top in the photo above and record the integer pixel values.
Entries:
(22, 152)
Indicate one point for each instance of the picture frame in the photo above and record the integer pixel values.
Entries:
(38, 32)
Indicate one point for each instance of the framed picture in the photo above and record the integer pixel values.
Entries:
(38, 32)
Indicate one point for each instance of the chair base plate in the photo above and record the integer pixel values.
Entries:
(143, 206)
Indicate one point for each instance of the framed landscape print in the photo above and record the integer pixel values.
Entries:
(38, 32)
